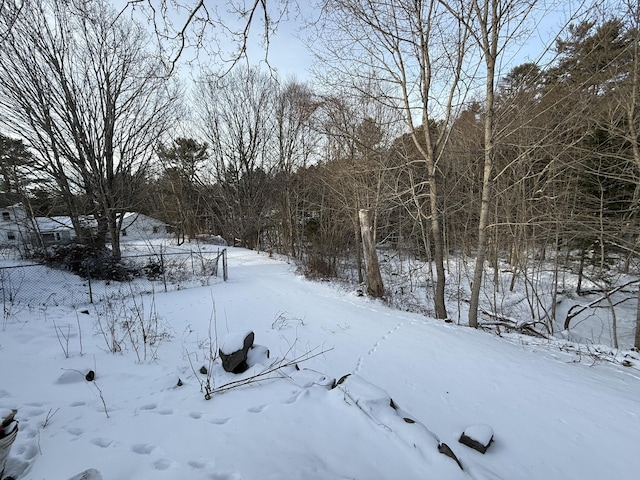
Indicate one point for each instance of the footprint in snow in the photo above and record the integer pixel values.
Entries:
(226, 476)
(142, 448)
(195, 415)
(101, 442)
(198, 465)
(219, 421)
(149, 406)
(296, 396)
(75, 431)
(374, 348)
(162, 464)
(257, 409)
(33, 412)
(28, 451)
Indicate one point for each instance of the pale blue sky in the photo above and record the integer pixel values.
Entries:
(288, 55)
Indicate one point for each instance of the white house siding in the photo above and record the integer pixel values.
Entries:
(14, 225)
(136, 226)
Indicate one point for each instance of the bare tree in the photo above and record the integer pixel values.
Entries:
(236, 116)
(415, 52)
(295, 141)
(492, 24)
(83, 90)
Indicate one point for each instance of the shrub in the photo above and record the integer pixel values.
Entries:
(87, 261)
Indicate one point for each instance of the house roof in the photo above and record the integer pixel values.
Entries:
(53, 224)
(60, 223)
(129, 218)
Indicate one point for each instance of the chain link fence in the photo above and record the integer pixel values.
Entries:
(39, 285)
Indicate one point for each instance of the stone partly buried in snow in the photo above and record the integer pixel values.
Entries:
(478, 437)
(233, 350)
(376, 404)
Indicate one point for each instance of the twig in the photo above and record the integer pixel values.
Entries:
(104, 404)
(59, 333)
(49, 417)
(79, 332)
(93, 381)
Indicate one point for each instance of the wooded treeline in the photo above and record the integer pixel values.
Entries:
(412, 119)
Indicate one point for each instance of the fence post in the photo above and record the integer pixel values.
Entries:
(225, 276)
(89, 282)
(164, 276)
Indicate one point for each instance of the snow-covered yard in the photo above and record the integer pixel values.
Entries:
(555, 412)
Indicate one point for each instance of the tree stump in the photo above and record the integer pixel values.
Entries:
(375, 287)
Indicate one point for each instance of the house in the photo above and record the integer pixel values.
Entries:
(53, 230)
(15, 224)
(137, 226)
(18, 229)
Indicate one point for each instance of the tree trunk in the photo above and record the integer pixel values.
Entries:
(489, 23)
(375, 288)
(438, 250)
(636, 343)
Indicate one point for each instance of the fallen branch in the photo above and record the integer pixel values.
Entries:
(578, 309)
(263, 375)
(526, 328)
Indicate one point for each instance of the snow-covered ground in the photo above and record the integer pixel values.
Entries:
(555, 412)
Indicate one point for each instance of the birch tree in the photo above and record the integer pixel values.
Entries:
(415, 52)
(492, 24)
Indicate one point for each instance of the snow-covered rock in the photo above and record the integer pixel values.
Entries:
(307, 378)
(233, 350)
(257, 355)
(478, 437)
(377, 404)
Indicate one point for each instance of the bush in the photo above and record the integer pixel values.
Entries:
(317, 266)
(153, 270)
(87, 261)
